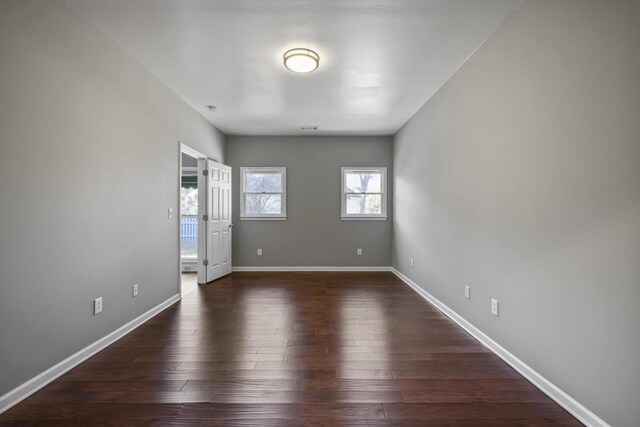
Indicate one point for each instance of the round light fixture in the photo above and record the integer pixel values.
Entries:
(301, 60)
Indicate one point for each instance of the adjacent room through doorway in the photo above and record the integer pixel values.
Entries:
(188, 223)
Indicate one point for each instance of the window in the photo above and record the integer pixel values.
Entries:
(263, 193)
(364, 193)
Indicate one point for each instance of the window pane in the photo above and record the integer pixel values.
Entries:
(364, 204)
(363, 182)
(262, 204)
(268, 182)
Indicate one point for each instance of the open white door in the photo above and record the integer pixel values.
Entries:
(217, 220)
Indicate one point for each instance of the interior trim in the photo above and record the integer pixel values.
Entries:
(26, 389)
(574, 407)
(331, 268)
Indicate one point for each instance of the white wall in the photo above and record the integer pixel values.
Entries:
(89, 161)
(521, 178)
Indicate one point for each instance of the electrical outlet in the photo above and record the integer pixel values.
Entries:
(135, 290)
(411, 262)
(259, 251)
(97, 306)
(494, 306)
(359, 251)
(170, 213)
(467, 292)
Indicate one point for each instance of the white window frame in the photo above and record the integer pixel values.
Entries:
(283, 172)
(343, 194)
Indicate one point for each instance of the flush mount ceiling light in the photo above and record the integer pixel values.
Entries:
(301, 60)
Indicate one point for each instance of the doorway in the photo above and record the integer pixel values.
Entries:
(188, 223)
(205, 226)
(191, 208)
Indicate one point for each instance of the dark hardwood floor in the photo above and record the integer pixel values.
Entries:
(294, 349)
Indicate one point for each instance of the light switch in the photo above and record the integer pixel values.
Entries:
(170, 213)
(494, 307)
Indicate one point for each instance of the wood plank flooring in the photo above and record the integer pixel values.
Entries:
(294, 349)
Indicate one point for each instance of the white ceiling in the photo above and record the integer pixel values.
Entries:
(380, 60)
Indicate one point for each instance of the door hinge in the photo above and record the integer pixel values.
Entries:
(205, 217)
(205, 172)
(205, 262)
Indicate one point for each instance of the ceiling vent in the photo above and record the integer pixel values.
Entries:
(308, 127)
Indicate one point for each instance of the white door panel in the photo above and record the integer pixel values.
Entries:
(218, 224)
(226, 244)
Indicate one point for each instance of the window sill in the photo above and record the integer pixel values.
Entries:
(263, 218)
(364, 218)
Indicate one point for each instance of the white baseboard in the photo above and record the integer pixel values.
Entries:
(25, 390)
(574, 407)
(239, 269)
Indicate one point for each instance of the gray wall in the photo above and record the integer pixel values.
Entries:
(521, 178)
(313, 234)
(88, 168)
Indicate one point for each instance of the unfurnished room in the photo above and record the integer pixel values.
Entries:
(320, 213)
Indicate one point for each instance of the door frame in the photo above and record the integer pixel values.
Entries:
(185, 149)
